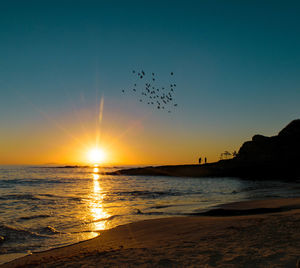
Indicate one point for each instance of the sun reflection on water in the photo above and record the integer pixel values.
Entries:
(95, 170)
(96, 206)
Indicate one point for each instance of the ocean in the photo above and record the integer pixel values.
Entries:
(48, 207)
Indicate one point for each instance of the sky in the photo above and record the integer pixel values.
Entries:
(236, 65)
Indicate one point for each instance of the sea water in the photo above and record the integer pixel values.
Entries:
(47, 207)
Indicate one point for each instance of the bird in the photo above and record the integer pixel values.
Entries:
(123, 91)
(160, 96)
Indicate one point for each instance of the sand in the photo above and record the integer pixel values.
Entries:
(268, 239)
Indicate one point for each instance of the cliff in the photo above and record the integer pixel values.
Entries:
(281, 149)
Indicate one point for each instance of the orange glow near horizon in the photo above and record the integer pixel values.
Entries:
(77, 140)
(122, 142)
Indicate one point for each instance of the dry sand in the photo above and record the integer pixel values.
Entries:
(268, 239)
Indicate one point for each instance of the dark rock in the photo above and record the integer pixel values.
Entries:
(292, 130)
(281, 149)
(263, 157)
(260, 138)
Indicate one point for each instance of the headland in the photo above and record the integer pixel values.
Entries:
(275, 157)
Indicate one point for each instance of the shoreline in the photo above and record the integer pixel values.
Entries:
(264, 232)
(223, 168)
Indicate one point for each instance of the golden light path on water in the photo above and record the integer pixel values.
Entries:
(96, 206)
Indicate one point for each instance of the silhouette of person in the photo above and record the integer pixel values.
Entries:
(205, 160)
(200, 161)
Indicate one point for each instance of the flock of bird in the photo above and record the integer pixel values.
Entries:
(150, 92)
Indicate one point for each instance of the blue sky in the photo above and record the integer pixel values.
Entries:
(236, 65)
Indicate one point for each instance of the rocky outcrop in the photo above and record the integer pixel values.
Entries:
(282, 149)
(276, 157)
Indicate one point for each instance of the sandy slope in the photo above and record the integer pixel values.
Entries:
(261, 240)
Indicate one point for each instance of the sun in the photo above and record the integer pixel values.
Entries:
(96, 155)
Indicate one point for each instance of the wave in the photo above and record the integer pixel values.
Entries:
(105, 219)
(51, 230)
(19, 197)
(35, 217)
(11, 233)
(162, 206)
(5, 183)
(139, 212)
(146, 194)
(72, 198)
(38, 197)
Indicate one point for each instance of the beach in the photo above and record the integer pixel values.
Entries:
(150, 134)
(269, 237)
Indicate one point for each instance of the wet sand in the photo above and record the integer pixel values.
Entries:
(269, 237)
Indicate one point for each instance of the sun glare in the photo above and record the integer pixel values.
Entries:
(96, 156)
